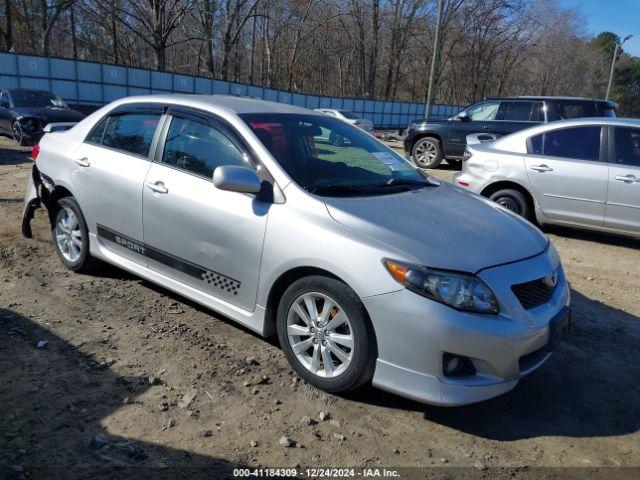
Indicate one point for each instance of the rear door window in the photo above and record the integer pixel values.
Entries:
(626, 146)
(580, 143)
(131, 132)
(518, 111)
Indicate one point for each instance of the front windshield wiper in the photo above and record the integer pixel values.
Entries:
(404, 182)
(338, 189)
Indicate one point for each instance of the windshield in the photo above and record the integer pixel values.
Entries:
(349, 115)
(37, 99)
(327, 156)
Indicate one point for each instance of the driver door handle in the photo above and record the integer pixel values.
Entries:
(541, 168)
(157, 187)
(627, 178)
(83, 162)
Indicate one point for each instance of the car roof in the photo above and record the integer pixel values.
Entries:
(26, 90)
(511, 142)
(234, 104)
(551, 97)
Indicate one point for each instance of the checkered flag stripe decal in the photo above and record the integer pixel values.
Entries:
(221, 282)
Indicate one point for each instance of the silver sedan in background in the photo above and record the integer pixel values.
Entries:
(367, 270)
(581, 173)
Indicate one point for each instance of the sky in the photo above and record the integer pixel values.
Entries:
(621, 17)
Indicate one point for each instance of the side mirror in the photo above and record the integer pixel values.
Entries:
(236, 179)
(464, 116)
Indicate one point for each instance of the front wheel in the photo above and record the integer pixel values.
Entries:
(427, 152)
(326, 335)
(512, 200)
(18, 134)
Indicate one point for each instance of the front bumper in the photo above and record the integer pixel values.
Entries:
(413, 333)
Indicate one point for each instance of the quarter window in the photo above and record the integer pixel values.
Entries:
(131, 132)
(580, 143)
(96, 134)
(626, 142)
(199, 148)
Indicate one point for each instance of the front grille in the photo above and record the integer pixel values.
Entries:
(532, 294)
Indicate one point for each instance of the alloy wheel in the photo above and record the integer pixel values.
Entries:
(425, 153)
(17, 133)
(320, 334)
(69, 235)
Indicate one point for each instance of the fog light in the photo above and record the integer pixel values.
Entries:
(451, 365)
(457, 365)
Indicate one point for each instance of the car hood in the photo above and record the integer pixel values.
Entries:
(50, 115)
(442, 227)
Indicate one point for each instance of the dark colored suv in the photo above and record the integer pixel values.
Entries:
(429, 142)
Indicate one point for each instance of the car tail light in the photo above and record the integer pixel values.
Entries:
(35, 151)
(466, 155)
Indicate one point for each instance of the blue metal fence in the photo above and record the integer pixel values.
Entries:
(89, 83)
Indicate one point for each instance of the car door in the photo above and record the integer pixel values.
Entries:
(515, 115)
(568, 173)
(477, 116)
(108, 172)
(204, 237)
(623, 197)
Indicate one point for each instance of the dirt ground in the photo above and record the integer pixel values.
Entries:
(137, 381)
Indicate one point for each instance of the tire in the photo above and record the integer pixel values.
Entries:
(336, 140)
(71, 237)
(352, 367)
(427, 152)
(18, 134)
(512, 200)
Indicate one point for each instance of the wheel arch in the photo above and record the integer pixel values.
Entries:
(421, 135)
(282, 283)
(510, 184)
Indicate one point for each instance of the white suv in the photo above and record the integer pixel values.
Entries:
(349, 117)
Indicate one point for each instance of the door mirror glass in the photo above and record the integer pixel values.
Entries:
(236, 179)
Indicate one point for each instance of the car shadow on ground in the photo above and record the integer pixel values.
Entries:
(52, 402)
(591, 236)
(588, 388)
(14, 156)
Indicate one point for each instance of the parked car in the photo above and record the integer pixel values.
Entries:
(367, 269)
(583, 172)
(25, 112)
(349, 117)
(429, 142)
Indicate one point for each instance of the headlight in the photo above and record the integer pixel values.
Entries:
(458, 290)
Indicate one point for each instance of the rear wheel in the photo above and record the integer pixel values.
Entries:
(325, 334)
(512, 200)
(427, 152)
(71, 236)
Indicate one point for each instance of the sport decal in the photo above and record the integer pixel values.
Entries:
(212, 278)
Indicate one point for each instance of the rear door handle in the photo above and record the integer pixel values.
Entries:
(627, 178)
(83, 162)
(157, 187)
(541, 168)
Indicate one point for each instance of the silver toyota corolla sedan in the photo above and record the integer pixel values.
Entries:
(367, 270)
(583, 173)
